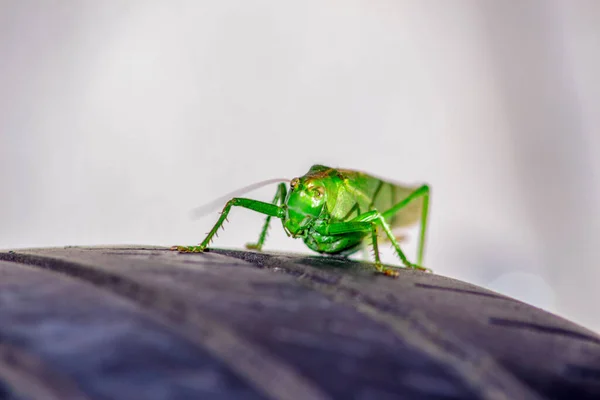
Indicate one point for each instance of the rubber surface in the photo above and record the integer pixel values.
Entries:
(148, 323)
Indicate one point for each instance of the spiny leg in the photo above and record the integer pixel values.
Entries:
(255, 205)
(375, 244)
(366, 222)
(378, 264)
(390, 235)
(278, 200)
(422, 191)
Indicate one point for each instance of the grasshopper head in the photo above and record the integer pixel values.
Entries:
(304, 203)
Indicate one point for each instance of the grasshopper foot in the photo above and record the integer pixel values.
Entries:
(420, 268)
(188, 249)
(391, 272)
(253, 246)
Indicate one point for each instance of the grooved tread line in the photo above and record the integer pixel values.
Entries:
(466, 291)
(477, 369)
(29, 376)
(552, 330)
(271, 376)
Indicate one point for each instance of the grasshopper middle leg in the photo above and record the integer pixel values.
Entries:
(278, 201)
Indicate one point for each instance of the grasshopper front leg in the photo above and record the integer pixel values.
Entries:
(271, 210)
(278, 200)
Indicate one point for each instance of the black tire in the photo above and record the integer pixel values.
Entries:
(147, 323)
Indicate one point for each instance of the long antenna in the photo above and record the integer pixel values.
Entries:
(203, 210)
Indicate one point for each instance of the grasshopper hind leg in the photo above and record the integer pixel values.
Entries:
(421, 192)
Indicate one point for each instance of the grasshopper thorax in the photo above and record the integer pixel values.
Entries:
(303, 205)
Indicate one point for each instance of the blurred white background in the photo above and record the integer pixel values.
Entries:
(119, 117)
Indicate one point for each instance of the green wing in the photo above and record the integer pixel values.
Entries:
(362, 192)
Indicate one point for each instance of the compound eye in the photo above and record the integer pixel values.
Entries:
(318, 191)
(294, 182)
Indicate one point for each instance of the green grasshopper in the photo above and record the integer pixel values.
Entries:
(336, 211)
